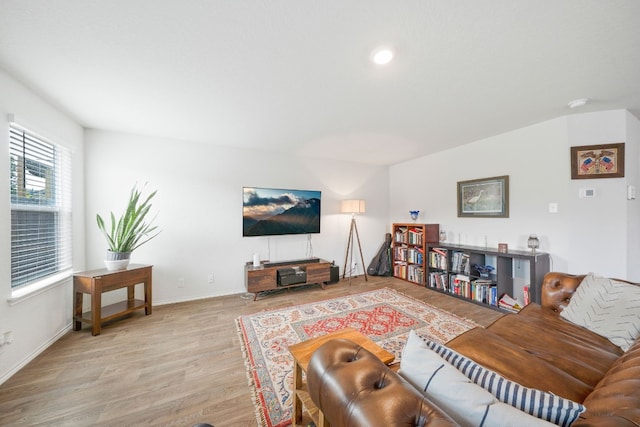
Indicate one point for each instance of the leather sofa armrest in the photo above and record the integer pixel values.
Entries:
(557, 290)
(353, 388)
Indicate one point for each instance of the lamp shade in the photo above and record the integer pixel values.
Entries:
(353, 206)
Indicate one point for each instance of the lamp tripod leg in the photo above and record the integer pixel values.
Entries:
(364, 270)
(346, 256)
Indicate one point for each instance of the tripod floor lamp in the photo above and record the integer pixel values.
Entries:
(353, 207)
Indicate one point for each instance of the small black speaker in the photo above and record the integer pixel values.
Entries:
(334, 274)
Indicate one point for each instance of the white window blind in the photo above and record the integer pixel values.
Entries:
(41, 240)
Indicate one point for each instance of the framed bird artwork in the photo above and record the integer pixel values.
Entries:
(597, 161)
(486, 197)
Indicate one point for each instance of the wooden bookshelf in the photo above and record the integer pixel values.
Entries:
(453, 269)
(408, 250)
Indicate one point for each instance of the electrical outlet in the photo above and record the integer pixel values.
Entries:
(181, 282)
(210, 278)
(8, 337)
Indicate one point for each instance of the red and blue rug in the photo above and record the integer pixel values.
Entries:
(384, 315)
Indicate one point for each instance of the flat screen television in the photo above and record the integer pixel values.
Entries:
(273, 211)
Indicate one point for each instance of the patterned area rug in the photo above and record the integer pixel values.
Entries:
(384, 315)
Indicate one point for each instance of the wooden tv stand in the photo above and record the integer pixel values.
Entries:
(265, 276)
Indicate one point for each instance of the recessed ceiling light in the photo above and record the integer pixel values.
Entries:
(577, 102)
(382, 56)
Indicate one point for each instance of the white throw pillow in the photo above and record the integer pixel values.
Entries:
(608, 308)
(465, 402)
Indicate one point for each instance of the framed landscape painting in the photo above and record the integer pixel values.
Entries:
(487, 197)
(597, 161)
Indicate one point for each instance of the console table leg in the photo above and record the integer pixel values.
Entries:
(96, 312)
(147, 297)
(77, 311)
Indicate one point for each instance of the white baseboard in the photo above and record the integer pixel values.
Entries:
(35, 353)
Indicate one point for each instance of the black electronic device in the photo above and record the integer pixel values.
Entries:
(294, 261)
(334, 274)
(291, 276)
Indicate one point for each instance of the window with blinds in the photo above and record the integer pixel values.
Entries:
(41, 240)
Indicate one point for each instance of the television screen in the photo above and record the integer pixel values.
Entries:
(271, 212)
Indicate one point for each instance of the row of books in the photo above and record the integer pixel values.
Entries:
(413, 273)
(460, 262)
(412, 236)
(479, 290)
(438, 258)
(412, 255)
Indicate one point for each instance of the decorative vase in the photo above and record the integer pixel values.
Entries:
(414, 214)
(117, 260)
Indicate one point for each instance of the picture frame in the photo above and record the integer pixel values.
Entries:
(597, 161)
(484, 198)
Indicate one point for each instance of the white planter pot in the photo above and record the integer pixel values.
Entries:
(115, 265)
(117, 260)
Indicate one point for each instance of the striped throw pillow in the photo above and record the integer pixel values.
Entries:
(538, 403)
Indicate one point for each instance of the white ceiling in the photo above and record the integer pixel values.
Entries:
(295, 75)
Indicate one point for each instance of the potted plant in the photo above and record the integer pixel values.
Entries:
(129, 232)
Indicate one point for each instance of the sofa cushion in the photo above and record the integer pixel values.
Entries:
(535, 402)
(582, 354)
(466, 402)
(607, 307)
(518, 364)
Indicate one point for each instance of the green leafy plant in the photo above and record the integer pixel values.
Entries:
(130, 231)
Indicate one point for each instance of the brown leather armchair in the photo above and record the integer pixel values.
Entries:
(354, 388)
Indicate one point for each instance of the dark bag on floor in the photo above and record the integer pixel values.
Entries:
(381, 263)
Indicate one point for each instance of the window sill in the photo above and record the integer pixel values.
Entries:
(26, 292)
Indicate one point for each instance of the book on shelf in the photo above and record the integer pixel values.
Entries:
(400, 253)
(460, 285)
(510, 304)
(415, 236)
(460, 262)
(400, 235)
(439, 280)
(415, 273)
(415, 255)
(484, 291)
(400, 269)
(438, 258)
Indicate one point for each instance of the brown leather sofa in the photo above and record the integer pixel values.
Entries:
(536, 348)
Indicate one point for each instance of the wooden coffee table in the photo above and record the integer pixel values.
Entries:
(302, 352)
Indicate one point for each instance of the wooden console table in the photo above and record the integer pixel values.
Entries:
(265, 276)
(95, 282)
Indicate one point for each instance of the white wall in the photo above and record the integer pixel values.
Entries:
(37, 321)
(598, 235)
(599, 226)
(633, 207)
(199, 205)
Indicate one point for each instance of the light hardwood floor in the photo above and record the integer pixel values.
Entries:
(178, 367)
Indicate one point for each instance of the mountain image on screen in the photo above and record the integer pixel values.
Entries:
(268, 212)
